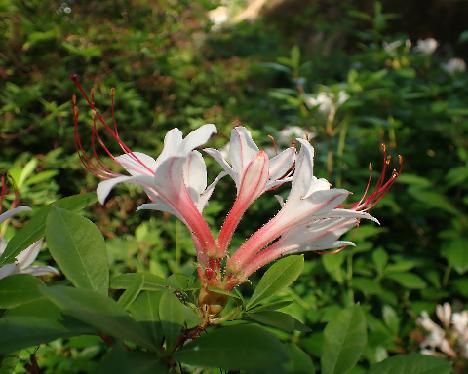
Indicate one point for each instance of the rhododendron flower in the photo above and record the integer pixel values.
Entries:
(24, 261)
(311, 219)
(253, 173)
(450, 338)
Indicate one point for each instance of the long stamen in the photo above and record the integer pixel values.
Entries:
(381, 187)
(112, 132)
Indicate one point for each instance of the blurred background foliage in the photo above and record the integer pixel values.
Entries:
(351, 75)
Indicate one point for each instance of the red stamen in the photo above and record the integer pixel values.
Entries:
(381, 186)
(3, 193)
(99, 170)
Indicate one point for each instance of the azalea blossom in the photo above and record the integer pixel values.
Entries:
(253, 173)
(24, 261)
(454, 66)
(426, 46)
(312, 218)
(327, 102)
(450, 338)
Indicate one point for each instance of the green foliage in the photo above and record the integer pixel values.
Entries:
(353, 311)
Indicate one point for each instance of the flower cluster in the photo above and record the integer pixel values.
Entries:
(450, 338)
(24, 261)
(312, 218)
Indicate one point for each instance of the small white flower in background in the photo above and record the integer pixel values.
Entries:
(450, 339)
(289, 133)
(326, 102)
(24, 261)
(426, 46)
(454, 65)
(218, 16)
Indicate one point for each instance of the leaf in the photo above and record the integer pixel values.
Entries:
(299, 361)
(17, 290)
(279, 320)
(414, 180)
(151, 282)
(23, 332)
(272, 306)
(457, 255)
(433, 199)
(33, 231)
(380, 258)
(98, 311)
(408, 280)
(131, 293)
(332, 264)
(280, 275)
(120, 360)
(345, 339)
(145, 309)
(30, 233)
(412, 363)
(174, 316)
(236, 347)
(79, 249)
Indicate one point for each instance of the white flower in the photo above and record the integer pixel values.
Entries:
(253, 173)
(24, 261)
(219, 16)
(454, 65)
(426, 46)
(451, 339)
(175, 182)
(326, 102)
(291, 132)
(309, 220)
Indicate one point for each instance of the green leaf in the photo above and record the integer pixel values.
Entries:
(408, 280)
(79, 249)
(380, 258)
(30, 233)
(151, 282)
(174, 316)
(98, 311)
(457, 255)
(272, 306)
(145, 309)
(280, 275)
(279, 320)
(413, 363)
(120, 360)
(131, 293)
(33, 230)
(17, 290)
(236, 347)
(23, 332)
(332, 264)
(299, 361)
(345, 339)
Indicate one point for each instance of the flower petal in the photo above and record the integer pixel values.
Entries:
(28, 255)
(206, 195)
(9, 213)
(39, 271)
(7, 270)
(280, 164)
(198, 137)
(303, 172)
(242, 149)
(106, 186)
(137, 163)
(195, 175)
